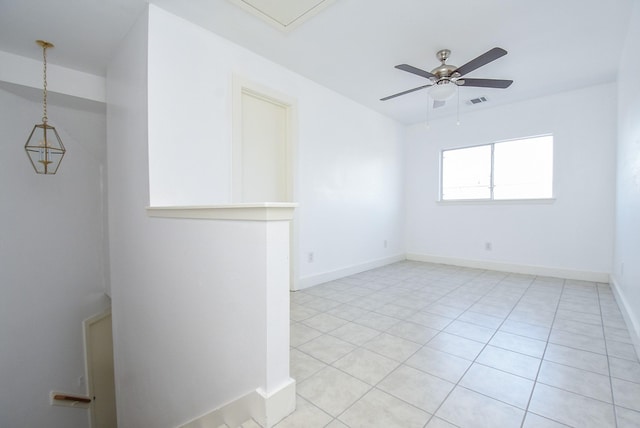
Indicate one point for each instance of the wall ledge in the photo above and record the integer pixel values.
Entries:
(263, 211)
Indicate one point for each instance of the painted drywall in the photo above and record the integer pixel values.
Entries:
(189, 296)
(53, 261)
(626, 263)
(349, 175)
(572, 233)
(351, 191)
(19, 70)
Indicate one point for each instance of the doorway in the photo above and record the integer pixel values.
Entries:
(264, 151)
(100, 372)
(263, 146)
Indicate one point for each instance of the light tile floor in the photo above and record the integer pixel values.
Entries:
(423, 345)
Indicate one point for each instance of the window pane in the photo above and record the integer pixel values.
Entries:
(523, 169)
(466, 173)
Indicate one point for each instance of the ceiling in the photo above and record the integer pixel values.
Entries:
(284, 15)
(351, 46)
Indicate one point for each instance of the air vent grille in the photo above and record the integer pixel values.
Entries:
(478, 100)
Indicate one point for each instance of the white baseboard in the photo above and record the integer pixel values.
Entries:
(266, 409)
(276, 406)
(233, 414)
(515, 268)
(321, 278)
(629, 315)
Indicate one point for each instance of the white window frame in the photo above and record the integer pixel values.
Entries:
(491, 199)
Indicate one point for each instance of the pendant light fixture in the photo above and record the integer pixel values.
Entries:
(44, 146)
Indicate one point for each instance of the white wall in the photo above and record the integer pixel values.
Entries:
(188, 307)
(574, 234)
(351, 191)
(53, 260)
(626, 264)
(349, 165)
(27, 72)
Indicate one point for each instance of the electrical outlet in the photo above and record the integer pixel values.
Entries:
(385, 243)
(310, 257)
(488, 246)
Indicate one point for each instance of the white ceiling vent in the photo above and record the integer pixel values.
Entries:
(283, 14)
(478, 100)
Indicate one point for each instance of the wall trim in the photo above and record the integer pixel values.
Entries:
(630, 317)
(243, 86)
(277, 405)
(514, 268)
(266, 409)
(265, 211)
(311, 280)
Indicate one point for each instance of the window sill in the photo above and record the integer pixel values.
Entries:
(498, 201)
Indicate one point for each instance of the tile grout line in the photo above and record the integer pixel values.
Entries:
(401, 363)
(433, 415)
(442, 330)
(546, 345)
(409, 287)
(606, 350)
(555, 314)
(483, 348)
(374, 291)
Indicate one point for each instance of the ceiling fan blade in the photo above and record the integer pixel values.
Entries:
(404, 92)
(487, 83)
(414, 70)
(483, 59)
(437, 104)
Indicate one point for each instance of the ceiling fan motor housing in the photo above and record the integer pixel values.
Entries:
(443, 70)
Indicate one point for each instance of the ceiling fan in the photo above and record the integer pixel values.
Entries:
(445, 78)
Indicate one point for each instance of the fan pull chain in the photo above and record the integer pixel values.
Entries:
(428, 102)
(458, 107)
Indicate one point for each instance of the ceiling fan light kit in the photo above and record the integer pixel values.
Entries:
(445, 78)
(442, 90)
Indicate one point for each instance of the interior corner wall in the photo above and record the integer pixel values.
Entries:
(188, 310)
(626, 266)
(349, 165)
(53, 259)
(573, 234)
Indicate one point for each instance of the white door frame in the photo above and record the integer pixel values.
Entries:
(87, 358)
(244, 86)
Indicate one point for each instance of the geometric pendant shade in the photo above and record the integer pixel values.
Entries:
(45, 149)
(44, 146)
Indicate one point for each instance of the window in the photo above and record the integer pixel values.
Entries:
(517, 169)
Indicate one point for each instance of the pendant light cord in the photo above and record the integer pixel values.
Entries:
(44, 91)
